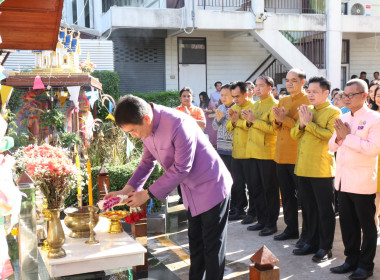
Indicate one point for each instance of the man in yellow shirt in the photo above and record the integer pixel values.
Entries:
(286, 116)
(315, 169)
(240, 160)
(260, 150)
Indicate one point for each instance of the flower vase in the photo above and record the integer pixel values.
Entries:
(55, 236)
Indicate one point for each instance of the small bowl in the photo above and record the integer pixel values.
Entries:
(115, 220)
(78, 219)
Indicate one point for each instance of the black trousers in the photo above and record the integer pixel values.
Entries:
(240, 174)
(265, 191)
(356, 212)
(317, 195)
(228, 162)
(290, 199)
(207, 242)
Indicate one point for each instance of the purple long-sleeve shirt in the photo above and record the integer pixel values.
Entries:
(187, 157)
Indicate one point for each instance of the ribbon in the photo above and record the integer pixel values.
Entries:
(74, 94)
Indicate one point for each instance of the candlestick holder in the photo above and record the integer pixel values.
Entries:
(92, 224)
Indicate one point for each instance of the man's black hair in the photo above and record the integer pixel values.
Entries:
(227, 86)
(268, 80)
(131, 110)
(218, 82)
(301, 74)
(363, 72)
(185, 89)
(323, 82)
(241, 85)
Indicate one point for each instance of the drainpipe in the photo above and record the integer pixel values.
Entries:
(333, 42)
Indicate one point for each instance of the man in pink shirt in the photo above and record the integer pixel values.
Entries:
(357, 143)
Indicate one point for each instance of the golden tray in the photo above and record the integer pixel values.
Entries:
(115, 220)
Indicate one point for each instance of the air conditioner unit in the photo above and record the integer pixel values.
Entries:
(359, 7)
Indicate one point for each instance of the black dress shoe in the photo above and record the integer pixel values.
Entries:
(322, 256)
(255, 227)
(344, 268)
(300, 243)
(285, 236)
(361, 274)
(236, 216)
(268, 231)
(305, 250)
(248, 220)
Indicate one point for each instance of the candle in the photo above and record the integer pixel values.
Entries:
(78, 176)
(90, 201)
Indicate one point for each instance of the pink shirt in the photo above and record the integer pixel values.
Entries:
(356, 162)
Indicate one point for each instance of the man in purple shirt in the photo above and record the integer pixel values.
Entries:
(175, 140)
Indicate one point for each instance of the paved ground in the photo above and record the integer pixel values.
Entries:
(172, 250)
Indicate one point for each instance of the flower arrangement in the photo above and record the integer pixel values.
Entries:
(87, 66)
(135, 215)
(51, 169)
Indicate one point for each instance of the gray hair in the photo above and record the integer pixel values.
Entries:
(361, 85)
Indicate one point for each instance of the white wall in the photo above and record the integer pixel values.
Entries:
(228, 59)
(364, 55)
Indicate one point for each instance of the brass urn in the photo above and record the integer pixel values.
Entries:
(78, 219)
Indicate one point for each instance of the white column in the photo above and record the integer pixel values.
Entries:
(80, 12)
(257, 7)
(98, 13)
(189, 13)
(333, 42)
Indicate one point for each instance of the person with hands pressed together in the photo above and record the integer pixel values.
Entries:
(285, 117)
(260, 151)
(184, 152)
(240, 160)
(224, 138)
(315, 168)
(357, 143)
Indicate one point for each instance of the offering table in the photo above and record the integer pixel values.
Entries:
(113, 251)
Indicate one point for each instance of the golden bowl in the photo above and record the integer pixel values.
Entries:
(115, 220)
(78, 219)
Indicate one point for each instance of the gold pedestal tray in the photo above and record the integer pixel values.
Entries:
(78, 219)
(115, 220)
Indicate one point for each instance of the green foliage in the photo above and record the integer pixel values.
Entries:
(119, 176)
(69, 139)
(54, 119)
(166, 98)
(20, 138)
(110, 85)
(16, 101)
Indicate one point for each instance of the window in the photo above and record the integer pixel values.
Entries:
(192, 50)
(345, 51)
(75, 13)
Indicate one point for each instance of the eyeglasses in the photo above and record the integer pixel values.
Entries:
(350, 96)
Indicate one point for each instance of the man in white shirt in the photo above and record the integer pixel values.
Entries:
(215, 96)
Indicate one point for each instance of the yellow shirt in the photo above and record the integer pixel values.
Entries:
(240, 132)
(286, 147)
(314, 158)
(261, 135)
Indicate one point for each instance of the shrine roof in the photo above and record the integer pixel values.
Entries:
(30, 24)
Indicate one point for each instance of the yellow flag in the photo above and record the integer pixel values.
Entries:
(110, 117)
(62, 98)
(6, 92)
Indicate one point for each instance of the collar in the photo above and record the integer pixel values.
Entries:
(323, 105)
(299, 95)
(232, 104)
(156, 117)
(268, 99)
(361, 111)
(246, 104)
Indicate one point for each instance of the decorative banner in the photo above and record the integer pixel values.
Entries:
(38, 83)
(5, 92)
(62, 98)
(92, 97)
(2, 76)
(74, 94)
(110, 117)
(110, 108)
